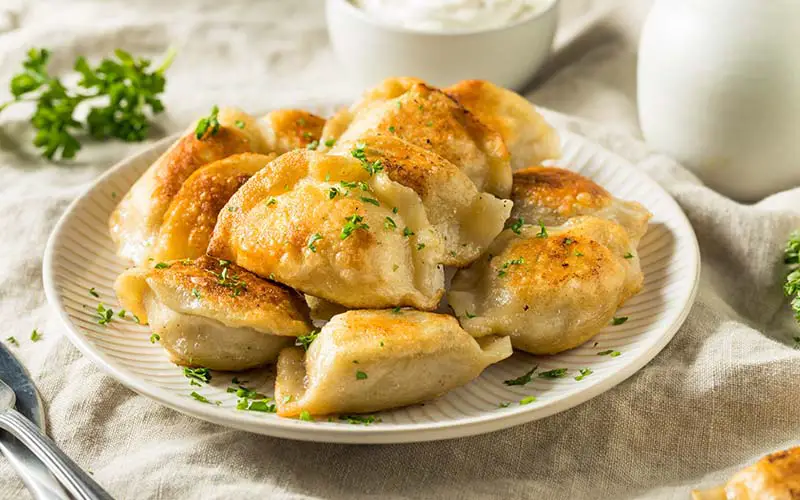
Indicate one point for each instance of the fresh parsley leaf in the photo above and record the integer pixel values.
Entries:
(522, 379)
(584, 372)
(199, 374)
(527, 400)
(313, 239)
(330, 142)
(556, 373)
(352, 223)
(305, 341)
(628, 255)
(208, 125)
(407, 232)
(122, 313)
(391, 129)
(94, 293)
(618, 320)
(361, 375)
(389, 223)
(266, 405)
(305, 416)
(154, 338)
(517, 226)
(162, 265)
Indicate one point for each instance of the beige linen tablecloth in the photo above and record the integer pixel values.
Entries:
(723, 393)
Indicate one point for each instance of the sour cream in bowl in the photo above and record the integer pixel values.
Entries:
(442, 41)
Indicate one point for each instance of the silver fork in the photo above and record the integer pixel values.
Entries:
(79, 484)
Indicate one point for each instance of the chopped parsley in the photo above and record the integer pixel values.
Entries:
(12, 340)
(361, 375)
(154, 338)
(305, 341)
(265, 405)
(330, 142)
(371, 167)
(584, 372)
(407, 232)
(430, 124)
(360, 419)
(514, 262)
(332, 192)
(469, 315)
(352, 223)
(628, 255)
(420, 246)
(199, 374)
(271, 201)
(527, 400)
(568, 241)
(305, 416)
(236, 285)
(313, 145)
(94, 293)
(35, 335)
(517, 226)
(522, 379)
(104, 316)
(578, 254)
(618, 320)
(208, 125)
(196, 293)
(542, 231)
(162, 265)
(556, 373)
(609, 352)
(371, 201)
(202, 398)
(394, 210)
(504, 404)
(389, 223)
(287, 398)
(136, 319)
(239, 124)
(391, 128)
(396, 310)
(313, 239)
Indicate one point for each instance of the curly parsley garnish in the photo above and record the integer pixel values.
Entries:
(208, 125)
(352, 223)
(522, 379)
(504, 268)
(124, 92)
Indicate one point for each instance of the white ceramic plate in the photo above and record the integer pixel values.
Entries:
(80, 256)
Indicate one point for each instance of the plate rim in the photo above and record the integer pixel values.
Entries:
(402, 433)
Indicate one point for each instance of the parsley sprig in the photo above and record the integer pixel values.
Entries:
(124, 92)
(792, 285)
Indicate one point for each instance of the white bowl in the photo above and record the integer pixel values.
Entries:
(372, 50)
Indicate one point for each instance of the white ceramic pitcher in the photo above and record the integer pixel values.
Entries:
(719, 90)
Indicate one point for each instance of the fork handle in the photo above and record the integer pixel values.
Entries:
(79, 484)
